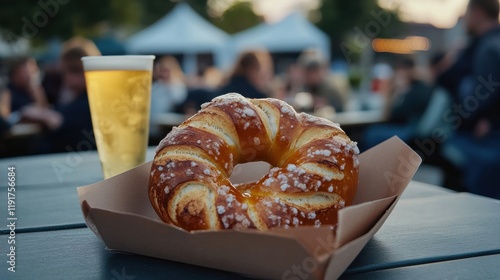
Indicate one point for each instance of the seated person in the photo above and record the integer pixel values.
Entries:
(4, 110)
(23, 88)
(69, 124)
(472, 79)
(409, 100)
(167, 91)
(53, 84)
(319, 83)
(202, 89)
(247, 77)
(195, 98)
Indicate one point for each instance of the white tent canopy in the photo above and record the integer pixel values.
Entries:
(19, 47)
(182, 31)
(293, 34)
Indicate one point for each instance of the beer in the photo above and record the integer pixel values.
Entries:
(119, 100)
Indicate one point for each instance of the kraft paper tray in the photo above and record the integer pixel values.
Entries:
(118, 211)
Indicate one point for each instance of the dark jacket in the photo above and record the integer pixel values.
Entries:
(4, 127)
(75, 133)
(19, 97)
(408, 108)
(327, 91)
(477, 74)
(241, 85)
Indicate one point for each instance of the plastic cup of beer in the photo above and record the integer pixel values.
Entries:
(119, 92)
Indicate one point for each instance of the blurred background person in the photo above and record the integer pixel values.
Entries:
(167, 91)
(210, 79)
(250, 77)
(69, 123)
(317, 81)
(293, 80)
(473, 79)
(23, 90)
(267, 75)
(53, 84)
(24, 87)
(202, 90)
(4, 110)
(439, 102)
(410, 95)
(278, 88)
(406, 105)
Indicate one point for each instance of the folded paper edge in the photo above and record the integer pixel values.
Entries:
(333, 272)
(138, 222)
(87, 207)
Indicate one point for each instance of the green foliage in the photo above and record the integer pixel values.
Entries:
(151, 11)
(338, 17)
(42, 19)
(38, 20)
(341, 19)
(355, 79)
(238, 17)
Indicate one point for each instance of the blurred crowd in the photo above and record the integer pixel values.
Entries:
(447, 110)
(56, 97)
(308, 85)
(56, 100)
(452, 119)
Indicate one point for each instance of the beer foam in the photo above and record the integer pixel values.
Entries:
(118, 62)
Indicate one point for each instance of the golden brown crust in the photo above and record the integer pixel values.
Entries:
(316, 171)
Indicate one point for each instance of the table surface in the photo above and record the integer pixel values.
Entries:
(24, 130)
(433, 233)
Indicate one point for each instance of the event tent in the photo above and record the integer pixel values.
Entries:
(292, 34)
(182, 31)
(9, 49)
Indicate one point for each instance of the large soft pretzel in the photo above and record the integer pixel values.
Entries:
(315, 168)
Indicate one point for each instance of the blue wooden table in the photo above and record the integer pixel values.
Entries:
(432, 233)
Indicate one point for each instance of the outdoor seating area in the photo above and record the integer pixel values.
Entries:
(374, 123)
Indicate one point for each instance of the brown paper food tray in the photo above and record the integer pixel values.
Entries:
(118, 211)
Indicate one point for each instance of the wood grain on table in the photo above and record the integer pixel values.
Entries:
(432, 233)
(432, 229)
(483, 267)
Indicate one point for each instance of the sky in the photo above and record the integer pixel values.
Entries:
(274, 10)
(440, 13)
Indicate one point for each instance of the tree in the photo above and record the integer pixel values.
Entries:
(239, 16)
(39, 20)
(151, 11)
(344, 20)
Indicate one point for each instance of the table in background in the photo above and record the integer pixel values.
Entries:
(168, 119)
(19, 139)
(347, 119)
(359, 118)
(432, 233)
(24, 130)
